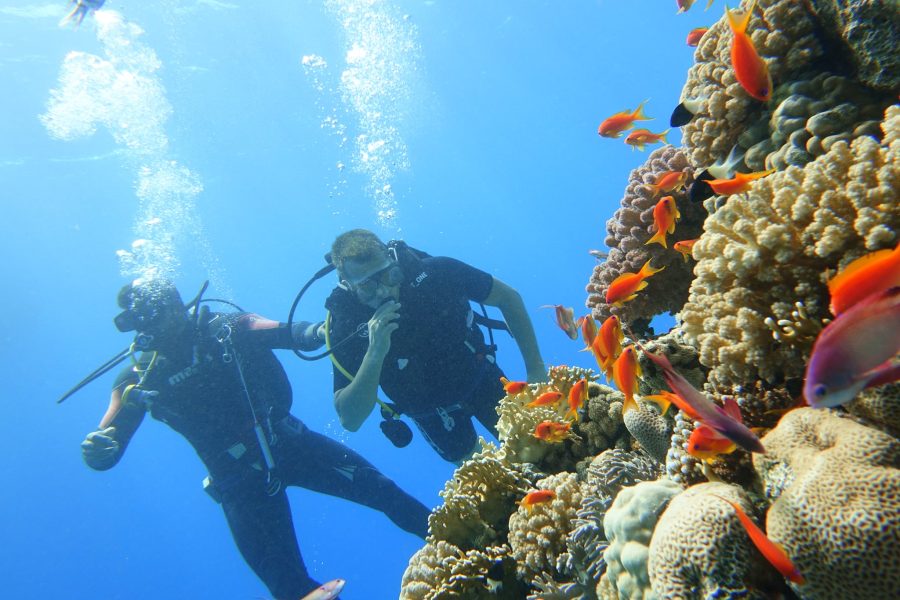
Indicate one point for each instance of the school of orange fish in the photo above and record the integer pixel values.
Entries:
(865, 300)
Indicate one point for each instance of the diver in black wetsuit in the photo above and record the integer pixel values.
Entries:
(214, 378)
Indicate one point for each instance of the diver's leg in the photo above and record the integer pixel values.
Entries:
(263, 530)
(316, 462)
(449, 432)
(486, 398)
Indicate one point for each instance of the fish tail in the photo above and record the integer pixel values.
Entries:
(739, 23)
(647, 270)
(658, 238)
(663, 135)
(638, 114)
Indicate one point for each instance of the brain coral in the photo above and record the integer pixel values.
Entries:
(783, 32)
(628, 230)
(700, 550)
(538, 536)
(836, 485)
(629, 525)
(761, 253)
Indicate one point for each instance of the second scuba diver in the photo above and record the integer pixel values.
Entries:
(213, 378)
(420, 341)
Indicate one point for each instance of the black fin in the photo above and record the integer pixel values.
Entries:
(680, 116)
(700, 190)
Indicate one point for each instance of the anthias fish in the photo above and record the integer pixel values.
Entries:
(865, 276)
(613, 126)
(859, 349)
(665, 213)
(626, 286)
(639, 138)
(551, 431)
(738, 184)
(536, 498)
(750, 70)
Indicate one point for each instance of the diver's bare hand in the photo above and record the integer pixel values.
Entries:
(382, 324)
(100, 449)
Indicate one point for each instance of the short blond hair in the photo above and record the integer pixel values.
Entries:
(357, 245)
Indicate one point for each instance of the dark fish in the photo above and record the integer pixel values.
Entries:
(700, 190)
(680, 116)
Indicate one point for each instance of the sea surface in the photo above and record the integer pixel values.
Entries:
(231, 141)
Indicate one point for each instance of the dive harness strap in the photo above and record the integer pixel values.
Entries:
(265, 435)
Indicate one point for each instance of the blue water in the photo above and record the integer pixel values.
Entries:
(208, 136)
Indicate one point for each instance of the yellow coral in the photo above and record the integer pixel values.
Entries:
(441, 570)
(761, 254)
(538, 536)
(836, 484)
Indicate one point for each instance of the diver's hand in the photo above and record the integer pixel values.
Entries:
(382, 324)
(99, 449)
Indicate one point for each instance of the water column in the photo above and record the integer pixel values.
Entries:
(381, 59)
(122, 92)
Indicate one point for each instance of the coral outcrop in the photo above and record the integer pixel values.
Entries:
(627, 233)
(760, 254)
(835, 486)
(699, 550)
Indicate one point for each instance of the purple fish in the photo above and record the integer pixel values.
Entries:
(711, 415)
(859, 349)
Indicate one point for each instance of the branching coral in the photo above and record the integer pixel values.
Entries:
(477, 501)
(700, 550)
(627, 233)
(760, 254)
(629, 525)
(440, 571)
(783, 32)
(538, 536)
(835, 485)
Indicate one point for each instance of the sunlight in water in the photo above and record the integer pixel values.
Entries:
(381, 57)
(122, 93)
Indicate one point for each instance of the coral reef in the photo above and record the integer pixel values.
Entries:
(835, 485)
(629, 525)
(628, 230)
(537, 536)
(760, 254)
(880, 406)
(441, 570)
(650, 429)
(700, 550)
(784, 33)
(869, 29)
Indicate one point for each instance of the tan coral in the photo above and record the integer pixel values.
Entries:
(477, 501)
(762, 253)
(836, 485)
(784, 33)
(700, 550)
(440, 570)
(628, 230)
(880, 406)
(538, 536)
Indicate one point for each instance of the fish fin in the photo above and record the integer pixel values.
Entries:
(658, 238)
(660, 401)
(739, 23)
(858, 264)
(887, 372)
(662, 136)
(732, 409)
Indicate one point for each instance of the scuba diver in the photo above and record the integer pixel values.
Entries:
(419, 340)
(213, 378)
(81, 9)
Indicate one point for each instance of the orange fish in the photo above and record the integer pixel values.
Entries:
(552, 432)
(626, 286)
(588, 331)
(608, 344)
(771, 551)
(663, 399)
(565, 319)
(865, 276)
(619, 122)
(694, 35)
(668, 181)
(545, 399)
(641, 137)
(665, 213)
(536, 497)
(750, 70)
(738, 184)
(706, 444)
(513, 387)
(626, 371)
(577, 395)
(686, 247)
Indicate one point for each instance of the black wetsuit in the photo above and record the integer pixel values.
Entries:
(201, 396)
(438, 371)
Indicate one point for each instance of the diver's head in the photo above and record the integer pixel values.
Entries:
(367, 267)
(151, 307)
